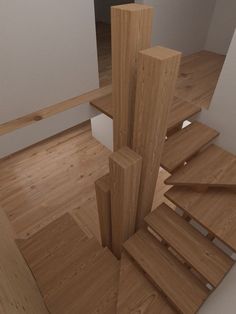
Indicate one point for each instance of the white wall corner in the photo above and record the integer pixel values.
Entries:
(222, 112)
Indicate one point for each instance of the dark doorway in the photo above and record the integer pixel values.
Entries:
(103, 29)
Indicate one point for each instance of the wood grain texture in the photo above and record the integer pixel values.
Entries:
(70, 269)
(198, 77)
(136, 294)
(212, 167)
(185, 292)
(131, 32)
(198, 251)
(214, 210)
(38, 183)
(49, 111)
(198, 74)
(19, 293)
(184, 144)
(104, 104)
(157, 73)
(103, 193)
(180, 110)
(125, 170)
(203, 65)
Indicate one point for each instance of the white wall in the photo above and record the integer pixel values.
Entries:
(181, 24)
(102, 130)
(48, 54)
(222, 113)
(222, 26)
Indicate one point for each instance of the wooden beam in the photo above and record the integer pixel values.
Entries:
(125, 170)
(157, 73)
(131, 32)
(103, 193)
(49, 111)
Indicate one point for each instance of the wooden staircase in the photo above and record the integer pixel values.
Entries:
(181, 262)
(212, 167)
(168, 265)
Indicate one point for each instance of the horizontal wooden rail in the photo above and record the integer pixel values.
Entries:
(49, 111)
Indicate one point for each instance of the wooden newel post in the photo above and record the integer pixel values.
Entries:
(103, 194)
(125, 170)
(131, 32)
(156, 79)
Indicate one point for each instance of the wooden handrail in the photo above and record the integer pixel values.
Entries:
(49, 111)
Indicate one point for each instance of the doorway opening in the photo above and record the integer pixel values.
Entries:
(103, 32)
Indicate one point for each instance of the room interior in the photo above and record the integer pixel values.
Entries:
(65, 94)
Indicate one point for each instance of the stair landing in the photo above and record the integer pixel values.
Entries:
(74, 273)
(137, 294)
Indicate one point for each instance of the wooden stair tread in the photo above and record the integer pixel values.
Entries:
(136, 294)
(70, 268)
(212, 167)
(181, 110)
(104, 104)
(214, 209)
(180, 286)
(186, 143)
(196, 249)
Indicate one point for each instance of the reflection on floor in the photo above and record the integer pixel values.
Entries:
(56, 176)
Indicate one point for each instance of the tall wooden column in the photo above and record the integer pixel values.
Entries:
(125, 170)
(103, 195)
(156, 79)
(131, 32)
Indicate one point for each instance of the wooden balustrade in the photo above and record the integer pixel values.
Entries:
(142, 93)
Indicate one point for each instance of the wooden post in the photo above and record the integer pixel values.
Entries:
(103, 194)
(156, 79)
(125, 170)
(131, 32)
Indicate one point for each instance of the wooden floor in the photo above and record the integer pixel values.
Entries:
(56, 176)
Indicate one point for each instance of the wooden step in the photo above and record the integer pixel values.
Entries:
(181, 110)
(136, 294)
(74, 273)
(197, 251)
(184, 144)
(214, 209)
(104, 104)
(212, 167)
(179, 285)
